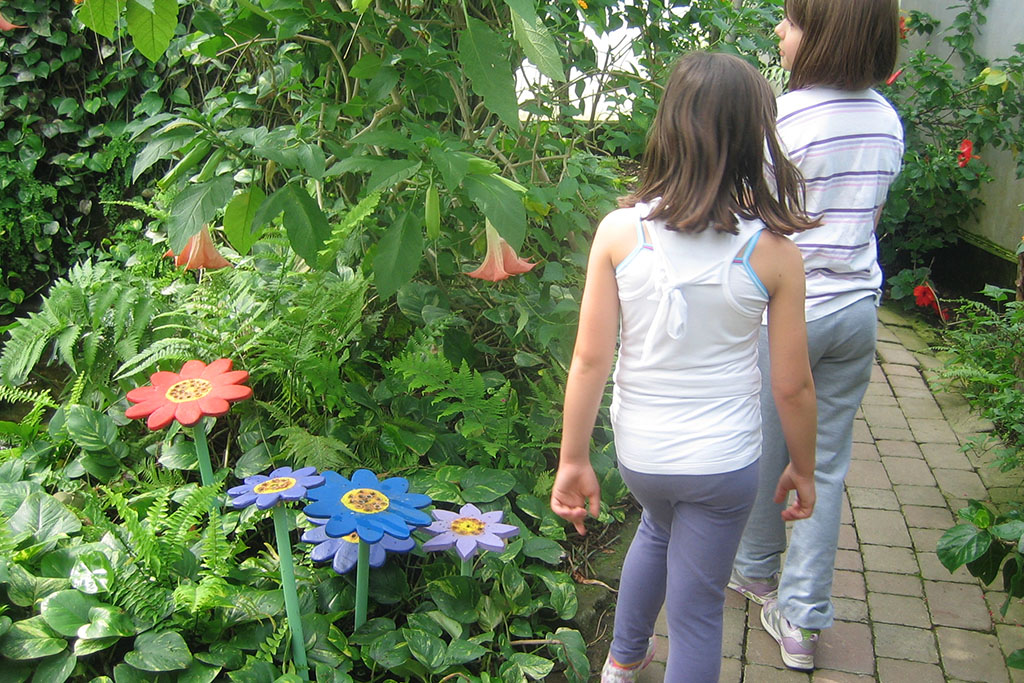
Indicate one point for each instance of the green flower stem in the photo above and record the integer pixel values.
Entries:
(362, 582)
(291, 597)
(202, 453)
(467, 567)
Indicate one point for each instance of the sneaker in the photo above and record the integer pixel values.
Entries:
(795, 644)
(755, 590)
(613, 672)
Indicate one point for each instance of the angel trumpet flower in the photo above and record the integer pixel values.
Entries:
(199, 252)
(8, 26)
(501, 259)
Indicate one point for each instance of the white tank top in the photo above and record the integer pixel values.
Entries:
(685, 398)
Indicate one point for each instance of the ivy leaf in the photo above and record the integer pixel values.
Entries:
(962, 544)
(428, 649)
(92, 572)
(151, 30)
(485, 484)
(56, 668)
(45, 518)
(196, 205)
(574, 654)
(533, 37)
(238, 219)
(488, 70)
(543, 549)
(524, 664)
(456, 597)
(91, 430)
(398, 254)
(163, 651)
(101, 16)
(31, 639)
(66, 611)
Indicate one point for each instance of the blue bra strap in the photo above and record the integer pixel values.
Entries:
(745, 260)
(641, 243)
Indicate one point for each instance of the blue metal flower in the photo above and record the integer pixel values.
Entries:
(369, 507)
(267, 490)
(344, 552)
(469, 530)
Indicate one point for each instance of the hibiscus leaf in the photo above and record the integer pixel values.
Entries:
(101, 16)
(151, 30)
(238, 219)
(398, 254)
(502, 205)
(488, 70)
(196, 205)
(535, 40)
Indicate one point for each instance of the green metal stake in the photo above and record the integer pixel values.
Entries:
(291, 597)
(467, 567)
(362, 582)
(202, 453)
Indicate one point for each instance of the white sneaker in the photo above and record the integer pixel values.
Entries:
(613, 672)
(796, 645)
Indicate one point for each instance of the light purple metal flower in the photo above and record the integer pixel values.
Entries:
(343, 552)
(267, 490)
(468, 530)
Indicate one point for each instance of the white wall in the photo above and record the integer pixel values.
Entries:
(1000, 221)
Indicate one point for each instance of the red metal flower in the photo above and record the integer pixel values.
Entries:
(199, 252)
(966, 152)
(501, 259)
(186, 396)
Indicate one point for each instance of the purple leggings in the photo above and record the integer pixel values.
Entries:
(684, 548)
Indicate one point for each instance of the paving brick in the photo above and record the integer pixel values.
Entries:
(876, 498)
(946, 455)
(1014, 612)
(776, 674)
(734, 600)
(845, 511)
(905, 642)
(971, 656)
(849, 559)
(848, 609)
(933, 570)
(891, 353)
(864, 451)
(848, 537)
(898, 609)
(899, 671)
(732, 671)
(900, 449)
(890, 434)
(828, 676)
(908, 382)
(847, 584)
(932, 431)
(861, 433)
(927, 517)
(959, 483)
(920, 495)
(959, 605)
(846, 647)
(895, 584)
(893, 370)
(868, 474)
(884, 416)
(883, 398)
(883, 558)
(733, 634)
(876, 370)
(655, 673)
(1011, 638)
(921, 407)
(914, 471)
(762, 648)
(926, 540)
(879, 390)
(881, 527)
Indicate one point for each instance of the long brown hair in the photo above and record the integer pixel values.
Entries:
(846, 44)
(705, 156)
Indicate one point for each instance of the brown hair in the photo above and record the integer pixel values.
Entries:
(847, 44)
(705, 156)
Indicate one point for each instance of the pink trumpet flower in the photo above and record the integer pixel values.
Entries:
(501, 259)
(199, 252)
(8, 26)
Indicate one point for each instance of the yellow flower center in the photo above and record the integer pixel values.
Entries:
(352, 537)
(188, 390)
(367, 501)
(275, 485)
(467, 526)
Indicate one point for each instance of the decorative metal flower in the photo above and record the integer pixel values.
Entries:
(501, 259)
(468, 530)
(267, 490)
(199, 252)
(369, 507)
(186, 396)
(344, 552)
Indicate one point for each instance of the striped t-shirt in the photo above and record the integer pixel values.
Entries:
(849, 147)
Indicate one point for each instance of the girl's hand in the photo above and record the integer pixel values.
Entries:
(575, 490)
(803, 505)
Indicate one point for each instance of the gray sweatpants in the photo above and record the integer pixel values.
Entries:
(683, 548)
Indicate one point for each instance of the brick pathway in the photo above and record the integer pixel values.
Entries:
(900, 615)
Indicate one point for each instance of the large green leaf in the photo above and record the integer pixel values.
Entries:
(428, 649)
(389, 173)
(574, 654)
(524, 664)
(92, 572)
(196, 205)
(398, 254)
(31, 639)
(535, 40)
(45, 518)
(106, 621)
(962, 544)
(502, 205)
(306, 224)
(159, 651)
(161, 146)
(55, 668)
(456, 597)
(480, 52)
(561, 590)
(101, 16)
(543, 549)
(484, 484)
(66, 611)
(151, 31)
(90, 429)
(238, 219)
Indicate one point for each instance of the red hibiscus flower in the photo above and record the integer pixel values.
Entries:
(501, 259)
(199, 252)
(186, 396)
(903, 28)
(966, 152)
(923, 295)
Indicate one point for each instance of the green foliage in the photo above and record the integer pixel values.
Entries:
(943, 102)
